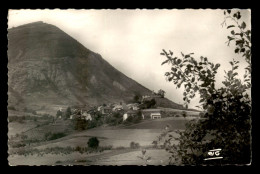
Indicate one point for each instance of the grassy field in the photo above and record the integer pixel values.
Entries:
(158, 157)
(111, 157)
(17, 128)
(173, 122)
(118, 137)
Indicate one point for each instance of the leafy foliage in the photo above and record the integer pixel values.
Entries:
(240, 36)
(134, 145)
(53, 136)
(93, 142)
(59, 113)
(68, 113)
(227, 118)
(145, 158)
(161, 93)
(137, 98)
(148, 104)
(11, 108)
(80, 124)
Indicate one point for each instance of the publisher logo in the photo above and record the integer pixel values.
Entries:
(214, 154)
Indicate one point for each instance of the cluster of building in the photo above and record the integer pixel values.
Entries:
(127, 110)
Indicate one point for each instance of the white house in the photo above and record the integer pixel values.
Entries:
(81, 115)
(99, 108)
(156, 115)
(86, 116)
(117, 108)
(151, 113)
(125, 116)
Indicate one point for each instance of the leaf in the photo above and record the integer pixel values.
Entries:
(187, 56)
(235, 67)
(167, 74)
(165, 52)
(248, 32)
(230, 26)
(239, 42)
(173, 69)
(230, 38)
(236, 50)
(243, 25)
(164, 62)
(233, 32)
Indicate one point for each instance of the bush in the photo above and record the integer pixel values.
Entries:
(17, 145)
(53, 136)
(24, 137)
(93, 142)
(155, 144)
(11, 108)
(80, 124)
(120, 147)
(138, 118)
(79, 149)
(129, 119)
(134, 145)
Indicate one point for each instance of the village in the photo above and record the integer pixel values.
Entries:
(142, 108)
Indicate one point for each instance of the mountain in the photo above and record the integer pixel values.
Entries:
(47, 67)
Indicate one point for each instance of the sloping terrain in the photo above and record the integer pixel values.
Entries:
(47, 67)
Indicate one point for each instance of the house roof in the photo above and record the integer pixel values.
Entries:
(132, 112)
(156, 113)
(151, 110)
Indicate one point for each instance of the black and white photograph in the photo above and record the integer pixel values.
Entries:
(129, 87)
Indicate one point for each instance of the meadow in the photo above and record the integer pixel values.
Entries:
(118, 138)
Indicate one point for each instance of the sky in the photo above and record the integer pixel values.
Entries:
(132, 40)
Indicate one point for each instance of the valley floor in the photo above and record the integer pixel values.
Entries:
(119, 138)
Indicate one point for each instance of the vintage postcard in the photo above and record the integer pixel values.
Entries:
(129, 87)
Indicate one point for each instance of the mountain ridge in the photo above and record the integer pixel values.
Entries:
(46, 66)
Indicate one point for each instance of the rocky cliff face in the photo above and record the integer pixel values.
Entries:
(48, 67)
